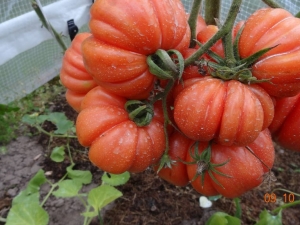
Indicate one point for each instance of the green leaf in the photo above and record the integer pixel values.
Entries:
(30, 119)
(31, 192)
(63, 124)
(116, 179)
(214, 198)
(265, 218)
(24, 196)
(103, 195)
(58, 154)
(221, 218)
(67, 189)
(37, 181)
(81, 176)
(27, 213)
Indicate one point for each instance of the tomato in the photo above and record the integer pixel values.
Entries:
(74, 99)
(116, 143)
(244, 171)
(227, 111)
(285, 127)
(73, 74)
(205, 34)
(126, 32)
(178, 148)
(279, 29)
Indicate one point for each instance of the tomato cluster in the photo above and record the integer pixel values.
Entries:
(141, 102)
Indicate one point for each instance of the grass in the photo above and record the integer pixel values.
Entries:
(11, 114)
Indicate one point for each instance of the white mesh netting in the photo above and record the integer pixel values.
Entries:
(30, 57)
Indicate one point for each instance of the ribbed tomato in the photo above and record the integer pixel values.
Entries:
(73, 74)
(243, 171)
(116, 143)
(285, 127)
(227, 111)
(276, 28)
(126, 32)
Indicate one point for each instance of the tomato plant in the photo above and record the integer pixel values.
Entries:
(231, 170)
(124, 34)
(226, 111)
(285, 127)
(73, 74)
(277, 29)
(117, 144)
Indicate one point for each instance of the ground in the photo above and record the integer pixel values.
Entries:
(146, 198)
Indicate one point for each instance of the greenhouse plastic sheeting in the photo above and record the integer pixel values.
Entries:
(31, 57)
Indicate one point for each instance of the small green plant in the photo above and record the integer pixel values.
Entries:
(27, 208)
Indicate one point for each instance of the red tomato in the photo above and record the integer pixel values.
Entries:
(227, 111)
(285, 127)
(125, 32)
(244, 171)
(178, 148)
(279, 29)
(74, 99)
(116, 143)
(73, 74)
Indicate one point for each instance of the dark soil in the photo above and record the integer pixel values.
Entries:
(147, 199)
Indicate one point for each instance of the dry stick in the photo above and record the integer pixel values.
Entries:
(47, 25)
(272, 3)
(192, 21)
(212, 11)
(226, 28)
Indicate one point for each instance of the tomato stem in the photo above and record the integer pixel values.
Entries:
(272, 3)
(48, 26)
(212, 11)
(284, 206)
(226, 28)
(192, 21)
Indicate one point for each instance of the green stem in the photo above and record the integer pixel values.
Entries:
(234, 9)
(69, 152)
(228, 50)
(193, 21)
(212, 11)
(238, 212)
(54, 135)
(48, 26)
(284, 206)
(272, 3)
(297, 15)
(167, 90)
(53, 186)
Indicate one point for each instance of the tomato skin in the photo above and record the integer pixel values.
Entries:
(245, 170)
(116, 143)
(285, 127)
(178, 148)
(74, 99)
(123, 36)
(228, 112)
(73, 74)
(279, 29)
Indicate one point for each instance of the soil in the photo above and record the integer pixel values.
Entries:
(146, 199)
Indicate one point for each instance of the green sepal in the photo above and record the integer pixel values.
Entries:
(139, 112)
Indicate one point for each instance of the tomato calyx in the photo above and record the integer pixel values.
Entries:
(204, 164)
(139, 112)
(232, 68)
(166, 64)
